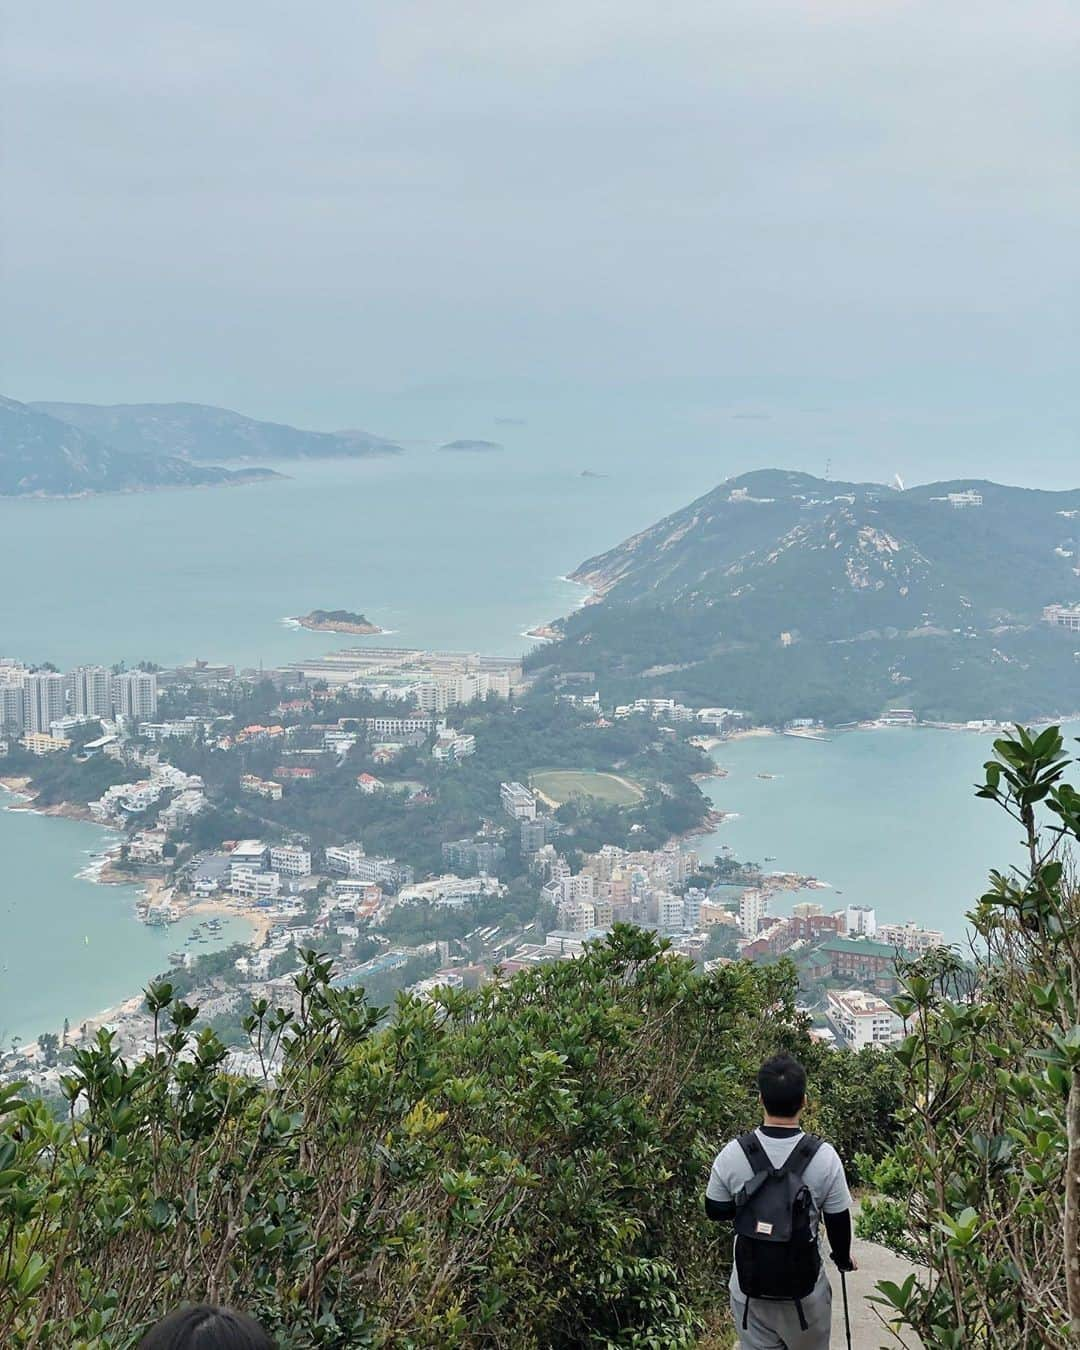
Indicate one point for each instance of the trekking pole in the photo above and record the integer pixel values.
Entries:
(847, 1319)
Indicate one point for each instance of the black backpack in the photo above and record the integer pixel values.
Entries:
(776, 1249)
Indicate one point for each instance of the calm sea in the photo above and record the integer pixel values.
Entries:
(458, 551)
(70, 948)
(888, 817)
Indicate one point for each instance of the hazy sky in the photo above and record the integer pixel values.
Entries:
(281, 206)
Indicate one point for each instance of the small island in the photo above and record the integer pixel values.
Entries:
(485, 447)
(338, 621)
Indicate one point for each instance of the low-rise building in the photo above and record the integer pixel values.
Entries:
(369, 784)
(453, 745)
(148, 846)
(858, 959)
(248, 853)
(481, 855)
(860, 1019)
(409, 725)
(450, 890)
(517, 801)
(41, 743)
(261, 787)
(1063, 616)
(290, 860)
(910, 937)
(250, 885)
(344, 858)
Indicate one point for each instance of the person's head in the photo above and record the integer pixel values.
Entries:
(782, 1084)
(206, 1328)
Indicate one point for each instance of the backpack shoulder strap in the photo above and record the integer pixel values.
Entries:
(754, 1153)
(799, 1158)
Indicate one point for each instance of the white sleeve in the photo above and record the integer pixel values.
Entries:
(836, 1196)
(719, 1187)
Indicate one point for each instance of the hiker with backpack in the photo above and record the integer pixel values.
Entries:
(777, 1184)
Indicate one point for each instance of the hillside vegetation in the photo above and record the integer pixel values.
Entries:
(791, 596)
(200, 432)
(521, 1166)
(983, 1186)
(40, 455)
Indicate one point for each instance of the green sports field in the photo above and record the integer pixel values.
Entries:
(559, 785)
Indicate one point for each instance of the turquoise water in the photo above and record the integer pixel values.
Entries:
(71, 948)
(887, 817)
(457, 551)
(463, 552)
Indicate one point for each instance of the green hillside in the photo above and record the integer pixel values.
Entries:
(200, 432)
(517, 1167)
(43, 456)
(788, 595)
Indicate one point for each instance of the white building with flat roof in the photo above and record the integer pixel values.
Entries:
(861, 1019)
(1063, 616)
(345, 858)
(860, 921)
(910, 937)
(290, 860)
(251, 885)
(249, 853)
(517, 801)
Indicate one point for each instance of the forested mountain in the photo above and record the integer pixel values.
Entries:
(42, 455)
(199, 432)
(791, 595)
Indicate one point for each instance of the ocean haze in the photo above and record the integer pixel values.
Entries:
(800, 229)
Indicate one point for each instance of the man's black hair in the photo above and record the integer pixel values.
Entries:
(782, 1084)
(206, 1328)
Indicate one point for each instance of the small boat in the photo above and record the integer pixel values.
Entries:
(766, 775)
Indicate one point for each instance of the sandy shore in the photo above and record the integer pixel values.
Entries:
(751, 732)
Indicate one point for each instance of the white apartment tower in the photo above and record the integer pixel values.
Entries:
(753, 907)
(91, 691)
(43, 701)
(135, 695)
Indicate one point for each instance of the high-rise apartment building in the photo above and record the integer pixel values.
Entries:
(753, 907)
(12, 709)
(91, 691)
(134, 695)
(43, 701)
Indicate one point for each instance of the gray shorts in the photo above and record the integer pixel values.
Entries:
(773, 1324)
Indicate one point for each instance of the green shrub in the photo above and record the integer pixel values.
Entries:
(516, 1166)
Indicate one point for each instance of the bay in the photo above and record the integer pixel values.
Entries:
(888, 817)
(68, 946)
(457, 551)
(463, 552)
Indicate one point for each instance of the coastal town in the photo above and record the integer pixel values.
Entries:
(331, 822)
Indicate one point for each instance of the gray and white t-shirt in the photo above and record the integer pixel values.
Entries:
(824, 1176)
